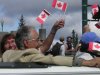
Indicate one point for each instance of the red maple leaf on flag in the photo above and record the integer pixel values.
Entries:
(59, 5)
(97, 46)
(43, 15)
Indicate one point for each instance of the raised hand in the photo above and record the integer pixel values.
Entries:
(59, 24)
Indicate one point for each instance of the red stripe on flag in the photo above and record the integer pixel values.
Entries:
(90, 47)
(64, 7)
(46, 12)
(54, 3)
(40, 20)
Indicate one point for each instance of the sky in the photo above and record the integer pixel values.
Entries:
(11, 10)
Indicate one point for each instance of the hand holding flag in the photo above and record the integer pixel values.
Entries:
(43, 16)
(59, 24)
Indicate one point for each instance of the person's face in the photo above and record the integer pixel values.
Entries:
(10, 44)
(34, 41)
(86, 28)
(69, 40)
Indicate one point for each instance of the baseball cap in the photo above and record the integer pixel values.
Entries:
(89, 37)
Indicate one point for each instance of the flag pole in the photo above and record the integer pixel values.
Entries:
(64, 20)
(64, 15)
(65, 11)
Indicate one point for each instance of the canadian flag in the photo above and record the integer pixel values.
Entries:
(43, 16)
(95, 9)
(59, 5)
(93, 46)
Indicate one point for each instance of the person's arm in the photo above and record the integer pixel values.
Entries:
(98, 61)
(82, 62)
(48, 59)
(47, 43)
(77, 47)
(92, 63)
(89, 63)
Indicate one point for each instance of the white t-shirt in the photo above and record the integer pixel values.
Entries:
(62, 49)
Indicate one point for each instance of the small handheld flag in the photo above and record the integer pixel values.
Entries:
(93, 46)
(59, 5)
(95, 9)
(43, 16)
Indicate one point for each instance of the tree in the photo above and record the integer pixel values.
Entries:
(22, 21)
(2, 24)
(73, 36)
